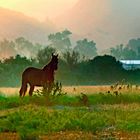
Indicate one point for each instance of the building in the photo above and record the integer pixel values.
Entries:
(130, 64)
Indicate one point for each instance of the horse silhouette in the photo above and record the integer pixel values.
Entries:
(39, 77)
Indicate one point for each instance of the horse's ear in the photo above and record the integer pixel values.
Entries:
(52, 55)
(57, 55)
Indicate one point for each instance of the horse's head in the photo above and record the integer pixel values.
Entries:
(54, 61)
(52, 64)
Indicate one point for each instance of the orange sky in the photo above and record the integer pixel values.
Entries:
(39, 9)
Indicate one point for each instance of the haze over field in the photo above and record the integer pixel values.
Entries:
(107, 22)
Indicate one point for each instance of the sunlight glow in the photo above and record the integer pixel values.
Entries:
(39, 9)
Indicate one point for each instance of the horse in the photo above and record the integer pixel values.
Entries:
(39, 77)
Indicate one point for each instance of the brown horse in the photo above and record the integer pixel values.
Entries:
(39, 77)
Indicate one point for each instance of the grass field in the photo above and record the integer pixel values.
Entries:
(69, 89)
(105, 114)
(72, 90)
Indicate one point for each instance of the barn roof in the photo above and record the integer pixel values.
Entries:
(130, 62)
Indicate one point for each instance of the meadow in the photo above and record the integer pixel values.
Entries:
(85, 112)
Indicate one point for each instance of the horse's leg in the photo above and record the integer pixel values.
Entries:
(31, 90)
(50, 87)
(23, 89)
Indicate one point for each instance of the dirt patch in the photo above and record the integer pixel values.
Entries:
(78, 135)
(69, 136)
(9, 136)
(90, 136)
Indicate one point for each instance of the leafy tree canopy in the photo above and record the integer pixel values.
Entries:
(87, 49)
(60, 40)
(44, 55)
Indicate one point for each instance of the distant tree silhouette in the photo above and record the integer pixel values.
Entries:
(26, 48)
(131, 51)
(86, 48)
(60, 40)
(71, 58)
(134, 45)
(129, 54)
(44, 55)
(106, 67)
(7, 48)
(11, 69)
(117, 51)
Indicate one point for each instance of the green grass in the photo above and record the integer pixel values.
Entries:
(12, 102)
(41, 120)
(39, 115)
(113, 99)
(69, 100)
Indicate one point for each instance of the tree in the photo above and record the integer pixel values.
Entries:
(129, 54)
(134, 44)
(125, 52)
(11, 69)
(7, 48)
(60, 40)
(117, 52)
(87, 49)
(71, 58)
(106, 67)
(25, 47)
(44, 55)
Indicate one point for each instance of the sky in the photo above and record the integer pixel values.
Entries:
(110, 22)
(39, 9)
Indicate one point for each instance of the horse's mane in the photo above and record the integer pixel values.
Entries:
(46, 66)
(50, 65)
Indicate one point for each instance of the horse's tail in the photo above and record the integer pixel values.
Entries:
(23, 88)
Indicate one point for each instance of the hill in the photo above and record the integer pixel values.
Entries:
(15, 24)
(108, 22)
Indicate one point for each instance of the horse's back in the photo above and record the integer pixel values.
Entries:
(30, 69)
(33, 75)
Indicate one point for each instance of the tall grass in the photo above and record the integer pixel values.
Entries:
(69, 100)
(31, 117)
(35, 120)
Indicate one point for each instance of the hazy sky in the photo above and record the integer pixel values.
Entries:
(110, 22)
(39, 9)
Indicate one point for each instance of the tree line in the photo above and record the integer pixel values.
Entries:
(78, 65)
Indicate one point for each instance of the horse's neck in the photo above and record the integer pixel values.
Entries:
(49, 71)
(45, 68)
